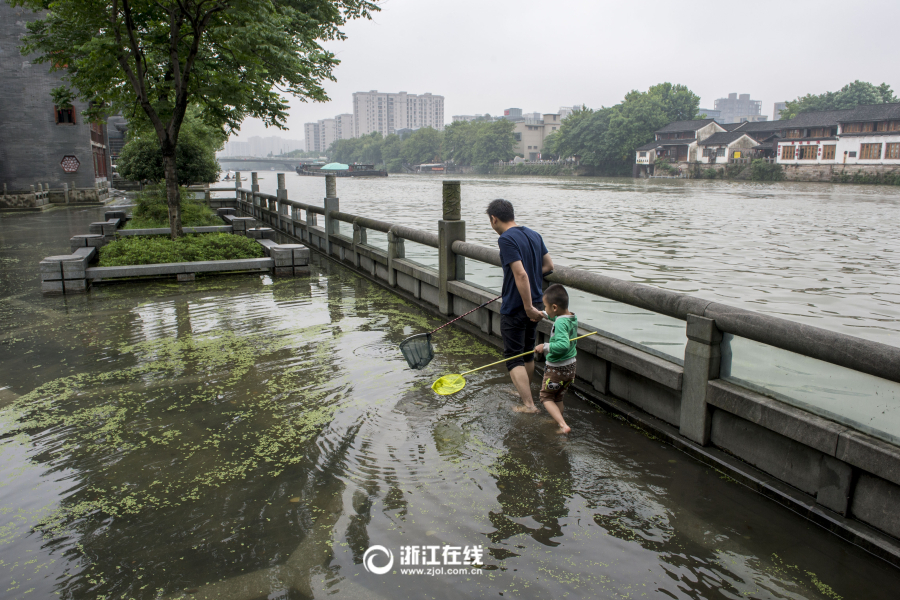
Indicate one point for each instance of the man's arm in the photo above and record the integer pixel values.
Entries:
(546, 264)
(523, 284)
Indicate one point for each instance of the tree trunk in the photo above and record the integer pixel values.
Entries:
(172, 196)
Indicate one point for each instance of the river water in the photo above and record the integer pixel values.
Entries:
(249, 437)
(826, 255)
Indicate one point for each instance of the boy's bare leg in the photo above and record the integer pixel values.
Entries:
(555, 409)
(522, 380)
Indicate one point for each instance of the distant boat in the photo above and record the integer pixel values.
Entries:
(341, 170)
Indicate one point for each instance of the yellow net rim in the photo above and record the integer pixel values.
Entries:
(448, 384)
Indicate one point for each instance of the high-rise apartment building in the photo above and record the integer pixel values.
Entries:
(327, 133)
(737, 109)
(386, 112)
(343, 126)
(565, 111)
(777, 109)
(311, 133)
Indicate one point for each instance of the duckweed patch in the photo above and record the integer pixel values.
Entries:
(187, 399)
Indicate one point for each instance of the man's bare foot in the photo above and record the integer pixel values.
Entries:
(526, 409)
(564, 430)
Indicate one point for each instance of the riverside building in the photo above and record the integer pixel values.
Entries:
(387, 112)
(48, 154)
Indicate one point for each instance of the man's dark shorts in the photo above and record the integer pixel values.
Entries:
(519, 334)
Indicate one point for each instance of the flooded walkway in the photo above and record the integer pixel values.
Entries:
(245, 437)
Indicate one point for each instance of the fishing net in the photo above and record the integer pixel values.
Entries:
(417, 350)
(448, 384)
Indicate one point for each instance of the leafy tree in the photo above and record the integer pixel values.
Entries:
(365, 149)
(141, 158)
(392, 153)
(233, 58)
(549, 151)
(423, 146)
(606, 139)
(459, 140)
(849, 96)
(494, 141)
(301, 154)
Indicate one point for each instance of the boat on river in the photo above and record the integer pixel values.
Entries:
(341, 170)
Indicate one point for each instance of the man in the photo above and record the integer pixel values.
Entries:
(525, 261)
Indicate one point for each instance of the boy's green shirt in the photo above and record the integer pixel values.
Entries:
(559, 349)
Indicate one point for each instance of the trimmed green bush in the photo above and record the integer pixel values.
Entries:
(151, 250)
(152, 210)
(762, 171)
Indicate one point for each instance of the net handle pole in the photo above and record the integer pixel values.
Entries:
(466, 314)
(520, 355)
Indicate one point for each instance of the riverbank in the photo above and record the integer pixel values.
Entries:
(759, 170)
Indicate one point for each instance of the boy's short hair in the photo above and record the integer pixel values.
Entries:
(557, 294)
(502, 209)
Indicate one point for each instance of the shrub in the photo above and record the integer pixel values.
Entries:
(709, 173)
(763, 171)
(150, 250)
(152, 210)
(665, 167)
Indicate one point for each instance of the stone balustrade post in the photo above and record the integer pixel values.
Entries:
(331, 204)
(65, 192)
(281, 196)
(310, 222)
(396, 249)
(702, 359)
(450, 229)
(254, 182)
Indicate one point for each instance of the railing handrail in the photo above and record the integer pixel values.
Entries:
(426, 238)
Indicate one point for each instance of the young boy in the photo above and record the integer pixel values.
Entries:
(560, 369)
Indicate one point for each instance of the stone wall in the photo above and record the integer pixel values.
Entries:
(836, 172)
(32, 144)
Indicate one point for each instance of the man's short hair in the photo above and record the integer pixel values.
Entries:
(557, 294)
(502, 209)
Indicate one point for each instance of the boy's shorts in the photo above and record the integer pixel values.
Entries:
(556, 382)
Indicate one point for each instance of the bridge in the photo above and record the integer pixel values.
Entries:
(259, 162)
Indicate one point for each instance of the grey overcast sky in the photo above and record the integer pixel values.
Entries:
(487, 55)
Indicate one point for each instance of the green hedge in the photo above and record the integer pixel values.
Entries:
(150, 250)
(152, 210)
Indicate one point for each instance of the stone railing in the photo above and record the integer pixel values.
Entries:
(836, 472)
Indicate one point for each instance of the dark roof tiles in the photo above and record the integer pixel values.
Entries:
(873, 112)
(693, 125)
(723, 137)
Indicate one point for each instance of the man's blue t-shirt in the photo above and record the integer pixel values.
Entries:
(526, 245)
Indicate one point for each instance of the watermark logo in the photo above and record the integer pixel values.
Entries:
(369, 560)
(428, 560)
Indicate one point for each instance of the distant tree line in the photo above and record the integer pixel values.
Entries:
(849, 96)
(466, 143)
(604, 140)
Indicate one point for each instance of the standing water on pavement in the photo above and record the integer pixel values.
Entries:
(244, 437)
